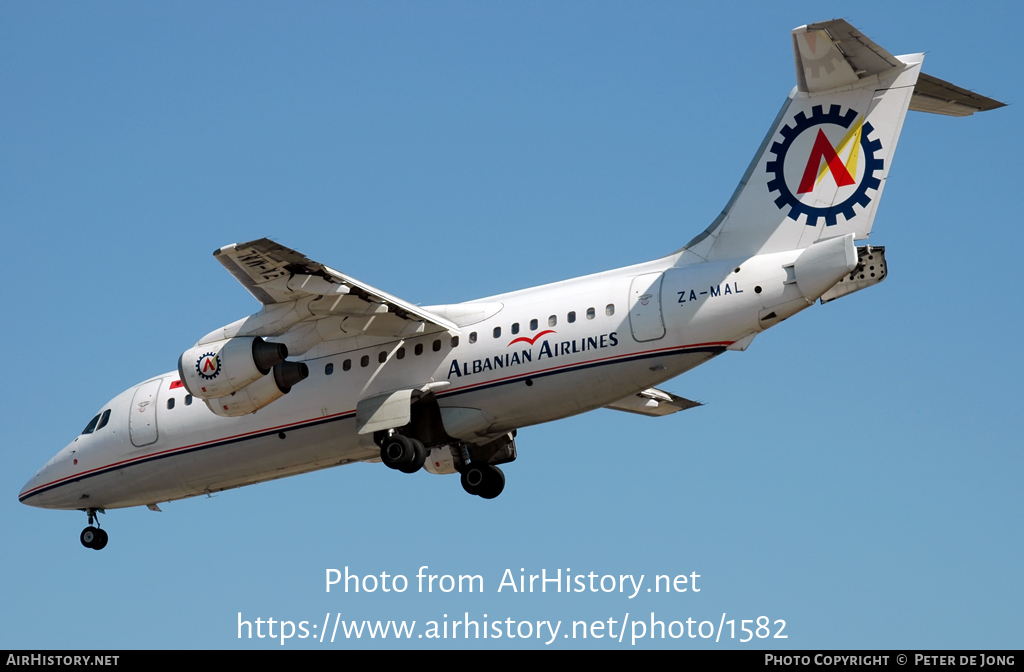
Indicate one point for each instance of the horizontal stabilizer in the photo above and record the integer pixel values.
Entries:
(934, 95)
(653, 402)
(831, 54)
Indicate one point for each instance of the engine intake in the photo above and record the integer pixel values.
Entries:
(217, 369)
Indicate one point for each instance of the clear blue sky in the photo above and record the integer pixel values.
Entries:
(857, 472)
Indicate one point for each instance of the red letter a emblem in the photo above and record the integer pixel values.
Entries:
(823, 150)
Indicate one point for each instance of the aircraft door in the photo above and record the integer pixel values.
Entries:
(645, 307)
(142, 418)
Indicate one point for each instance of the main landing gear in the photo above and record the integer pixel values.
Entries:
(485, 480)
(403, 453)
(477, 464)
(93, 537)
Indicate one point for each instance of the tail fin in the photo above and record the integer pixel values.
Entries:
(820, 171)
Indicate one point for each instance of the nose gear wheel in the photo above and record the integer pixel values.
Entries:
(93, 537)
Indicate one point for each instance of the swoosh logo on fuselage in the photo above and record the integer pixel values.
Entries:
(531, 341)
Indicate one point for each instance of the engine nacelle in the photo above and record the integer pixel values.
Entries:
(217, 369)
(258, 394)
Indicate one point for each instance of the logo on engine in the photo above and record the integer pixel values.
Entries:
(208, 366)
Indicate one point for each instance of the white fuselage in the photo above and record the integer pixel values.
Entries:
(628, 335)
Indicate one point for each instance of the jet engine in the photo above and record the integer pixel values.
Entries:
(258, 394)
(217, 369)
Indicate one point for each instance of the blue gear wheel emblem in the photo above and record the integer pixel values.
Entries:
(202, 359)
(859, 197)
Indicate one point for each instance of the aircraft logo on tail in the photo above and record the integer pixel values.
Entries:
(851, 178)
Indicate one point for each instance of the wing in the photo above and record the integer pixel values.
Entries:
(306, 303)
(653, 402)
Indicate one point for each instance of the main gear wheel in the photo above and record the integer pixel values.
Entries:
(860, 197)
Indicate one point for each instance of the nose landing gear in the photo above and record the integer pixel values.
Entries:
(93, 537)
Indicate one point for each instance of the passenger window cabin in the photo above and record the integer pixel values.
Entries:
(382, 356)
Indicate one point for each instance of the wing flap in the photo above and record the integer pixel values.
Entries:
(306, 303)
(274, 273)
(654, 403)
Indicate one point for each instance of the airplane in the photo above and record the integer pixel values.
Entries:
(331, 371)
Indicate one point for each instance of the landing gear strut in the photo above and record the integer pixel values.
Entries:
(93, 537)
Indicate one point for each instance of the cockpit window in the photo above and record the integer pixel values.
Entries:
(104, 419)
(91, 426)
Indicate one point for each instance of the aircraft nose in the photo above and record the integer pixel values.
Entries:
(32, 487)
(25, 496)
